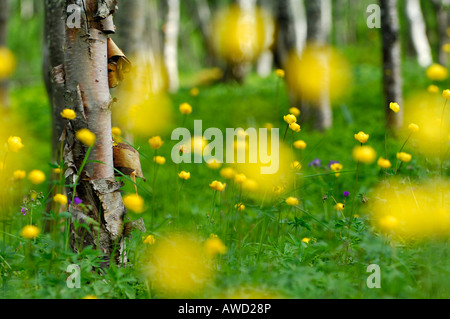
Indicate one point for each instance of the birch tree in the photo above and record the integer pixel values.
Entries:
(392, 72)
(172, 28)
(418, 32)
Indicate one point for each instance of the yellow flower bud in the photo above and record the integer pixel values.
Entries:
(295, 111)
(364, 154)
(30, 232)
(116, 131)
(213, 163)
(413, 128)
(60, 199)
(185, 109)
(300, 145)
(149, 240)
(446, 94)
(228, 172)
(155, 142)
(394, 107)
(437, 72)
(290, 118)
(184, 175)
(384, 163)
(280, 73)
(404, 157)
(217, 186)
(295, 127)
(160, 160)
(19, 174)
(15, 144)
(69, 114)
(240, 178)
(86, 137)
(362, 137)
(306, 240)
(36, 177)
(134, 202)
(433, 89)
(215, 246)
(339, 207)
(292, 201)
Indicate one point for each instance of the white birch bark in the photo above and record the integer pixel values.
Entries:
(171, 43)
(418, 32)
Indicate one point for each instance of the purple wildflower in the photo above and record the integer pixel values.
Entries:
(24, 210)
(77, 201)
(315, 163)
(346, 194)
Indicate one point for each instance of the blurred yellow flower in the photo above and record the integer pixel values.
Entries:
(194, 92)
(336, 167)
(116, 131)
(280, 73)
(19, 174)
(437, 72)
(184, 175)
(134, 202)
(446, 47)
(364, 154)
(36, 177)
(362, 137)
(90, 297)
(250, 185)
(160, 160)
(185, 109)
(413, 128)
(388, 222)
(178, 266)
(15, 144)
(306, 240)
(394, 107)
(57, 171)
(300, 144)
(295, 111)
(149, 240)
(384, 163)
(290, 118)
(213, 163)
(240, 178)
(7, 63)
(86, 137)
(240, 207)
(217, 186)
(60, 199)
(155, 142)
(339, 207)
(292, 201)
(404, 157)
(29, 232)
(214, 246)
(296, 165)
(268, 126)
(295, 127)
(69, 114)
(433, 89)
(446, 94)
(228, 172)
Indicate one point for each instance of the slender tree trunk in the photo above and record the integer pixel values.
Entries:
(265, 61)
(319, 29)
(441, 7)
(87, 92)
(418, 32)
(3, 34)
(392, 72)
(171, 43)
(203, 14)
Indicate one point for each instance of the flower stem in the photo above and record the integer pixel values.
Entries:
(440, 139)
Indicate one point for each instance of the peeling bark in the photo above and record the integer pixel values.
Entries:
(87, 92)
(392, 73)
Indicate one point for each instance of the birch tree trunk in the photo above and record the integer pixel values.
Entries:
(171, 43)
(87, 92)
(392, 72)
(319, 28)
(3, 33)
(203, 15)
(418, 32)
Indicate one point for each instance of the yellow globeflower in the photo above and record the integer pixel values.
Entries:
(69, 114)
(295, 127)
(384, 163)
(433, 89)
(116, 131)
(413, 128)
(7, 63)
(19, 174)
(306, 240)
(160, 160)
(280, 73)
(394, 107)
(339, 207)
(149, 240)
(364, 154)
(15, 144)
(446, 94)
(240, 178)
(295, 111)
(155, 142)
(292, 201)
(362, 137)
(296, 165)
(290, 118)
(437, 72)
(194, 92)
(134, 202)
(185, 109)
(36, 177)
(217, 186)
(30, 232)
(214, 246)
(86, 137)
(300, 144)
(404, 157)
(228, 172)
(336, 167)
(184, 175)
(60, 199)
(240, 207)
(213, 163)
